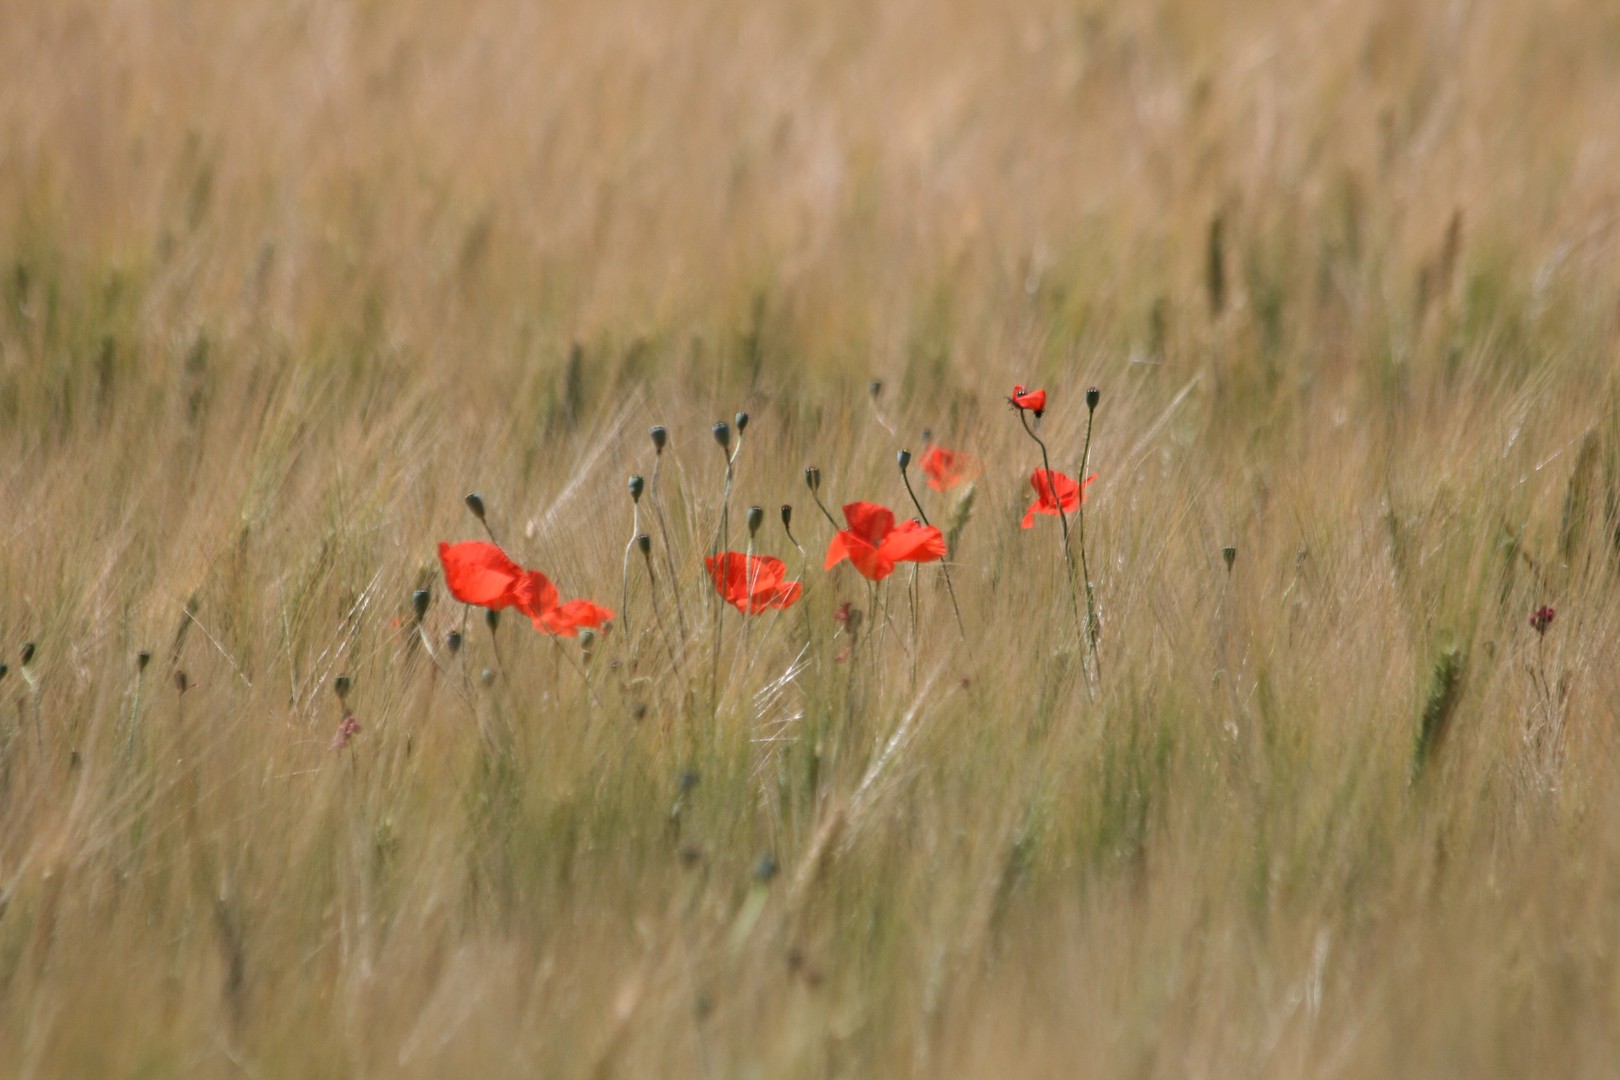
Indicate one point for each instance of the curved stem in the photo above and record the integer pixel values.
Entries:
(1092, 627)
(1068, 559)
(944, 564)
(669, 552)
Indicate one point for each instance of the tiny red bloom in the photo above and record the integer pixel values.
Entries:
(480, 573)
(944, 468)
(874, 543)
(1542, 618)
(752, 583)
(1033, 400)
(348, 728)
(1060, 490)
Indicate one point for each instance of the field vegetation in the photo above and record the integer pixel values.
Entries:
(282, 281)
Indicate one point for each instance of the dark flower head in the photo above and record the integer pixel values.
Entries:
(1542, 618)
(660, 437)
(637, 486)
(475, 503)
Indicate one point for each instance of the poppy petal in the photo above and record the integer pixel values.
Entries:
(480, 573)
(566, 620)
(912, 541)
(786, 594)
(869, 521)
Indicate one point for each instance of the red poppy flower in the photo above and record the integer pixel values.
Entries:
(1542, 618)
(480, 573)
(874, 543)
(1033, 400)
(1059, 491)
(944, 468)
(752, 583)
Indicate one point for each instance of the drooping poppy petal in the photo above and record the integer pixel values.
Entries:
(480, 573)
(869, 521)
(867, 558)
(751, 583)
(912, 541)
(1051, 493)
(568, 619)
(944, 468)
(536, 594)
(1033, 400)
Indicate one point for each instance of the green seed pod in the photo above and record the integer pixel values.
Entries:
(475, 503)
(756, 518)
(637, 486)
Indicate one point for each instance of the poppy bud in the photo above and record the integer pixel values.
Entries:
(812, 478)
(27, 654)
(644, 543)
(142, 658)
(181, 682)
(722, 434)
(1092, 397)
(741, 420)
(787, 516)
(637, 484)
(475, 503)
(419, 603)
(875, 387)
(904, 458)
(492, 619)
(659, 437)
(587, 643)
(756, 518)
(452, 641)
(1230, 555)
(3, 670)
(340, 687)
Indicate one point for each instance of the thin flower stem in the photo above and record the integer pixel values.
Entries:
(1068, 559)
(669, 553)
(944, 564)
(824, 511)
(1092, 626)
(590, 690)
(624, 590)
(658, 614)
(719, 602)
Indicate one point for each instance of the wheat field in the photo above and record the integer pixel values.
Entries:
(282, 282)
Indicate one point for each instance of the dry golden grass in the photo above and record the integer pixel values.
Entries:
(280, 282)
